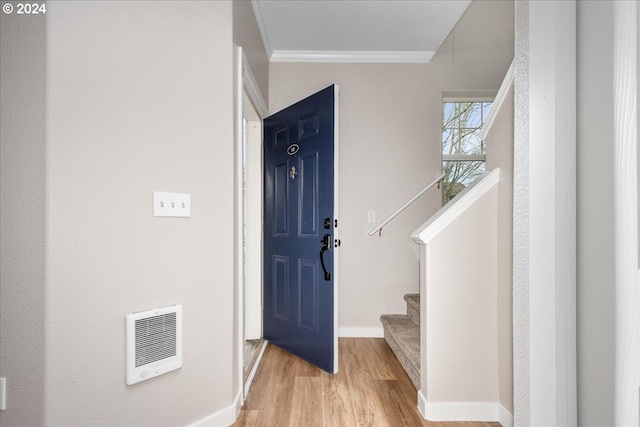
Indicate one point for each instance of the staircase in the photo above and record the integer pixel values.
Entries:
(402, 333)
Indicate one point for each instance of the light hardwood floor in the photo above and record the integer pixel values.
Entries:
(370, 389)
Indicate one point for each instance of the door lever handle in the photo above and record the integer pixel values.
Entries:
(326, 244)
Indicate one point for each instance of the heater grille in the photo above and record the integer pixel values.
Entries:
(155, 338)
(154, 343)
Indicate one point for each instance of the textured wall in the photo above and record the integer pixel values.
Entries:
(521, 219)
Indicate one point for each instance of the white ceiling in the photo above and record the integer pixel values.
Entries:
(356, 30)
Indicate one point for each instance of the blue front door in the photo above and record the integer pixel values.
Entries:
(299, 228)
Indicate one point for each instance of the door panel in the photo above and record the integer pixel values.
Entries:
(308, 294)
(281, 287)
(281, 194)
(299, 299)
(308, 188)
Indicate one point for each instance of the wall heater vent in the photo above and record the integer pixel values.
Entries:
(154, 343)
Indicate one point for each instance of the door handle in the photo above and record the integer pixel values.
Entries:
(326, 244)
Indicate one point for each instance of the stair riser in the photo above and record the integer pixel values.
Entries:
(402, 333)
(413, 307)
(413, 314)
(411, 371)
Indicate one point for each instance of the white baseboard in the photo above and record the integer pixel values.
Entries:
(254, 368)
(422, 403)
(464, 411)
(361, 332)
(505, 418)
(224, 417)
(461, 411)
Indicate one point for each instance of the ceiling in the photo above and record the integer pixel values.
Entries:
(356, 30)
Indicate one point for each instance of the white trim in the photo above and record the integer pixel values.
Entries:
(507, 83)
(253, 90)
(471, 96)
(258, 11)
(254, 368)
(464, 411)
(505, 418)
(422, 403)
(238, 216)
(544, 214)
(336, 230)
(361, 332)
(456, 207)
(627, 294)
(464, 158)
(550, 145)
(224, 417)
(461, 411)
(372, 57)
(243, 81)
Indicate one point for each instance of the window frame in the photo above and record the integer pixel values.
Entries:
(466, 99)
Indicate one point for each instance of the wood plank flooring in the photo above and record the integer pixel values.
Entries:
(370, 389)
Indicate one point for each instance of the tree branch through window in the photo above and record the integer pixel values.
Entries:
(463, 153)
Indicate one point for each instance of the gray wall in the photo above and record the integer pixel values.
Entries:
(596, 254)
(475, 56)
(22, 217)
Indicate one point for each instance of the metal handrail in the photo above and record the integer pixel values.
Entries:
(390, 218)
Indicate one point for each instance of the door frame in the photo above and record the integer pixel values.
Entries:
(244, 82)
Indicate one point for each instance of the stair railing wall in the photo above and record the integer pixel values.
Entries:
(458, 274)
(466, 279)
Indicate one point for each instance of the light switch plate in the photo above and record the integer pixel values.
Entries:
(371, 217)
(171, 204)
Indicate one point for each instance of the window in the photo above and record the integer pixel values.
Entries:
(463, 153)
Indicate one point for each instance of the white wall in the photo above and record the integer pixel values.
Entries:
(462, 313)
(22, 217)
(138, 98)
(544, 214)
(390, 131)
(608, 298)
(500, 154)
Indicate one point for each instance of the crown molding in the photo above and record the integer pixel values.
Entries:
(406, 57)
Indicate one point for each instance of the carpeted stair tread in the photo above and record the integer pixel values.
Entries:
(403, 336)
(413, 307)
